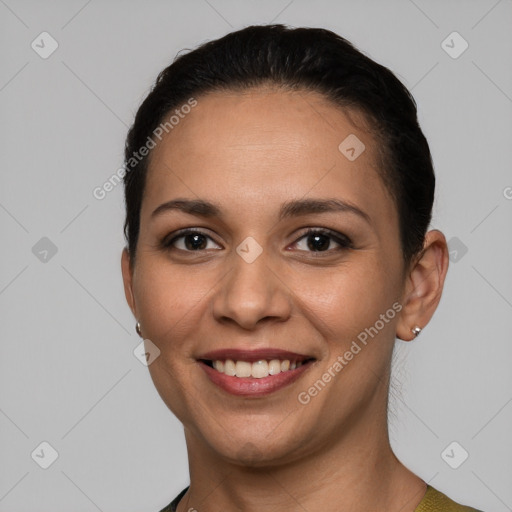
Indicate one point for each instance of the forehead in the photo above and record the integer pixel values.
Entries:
(272, 144)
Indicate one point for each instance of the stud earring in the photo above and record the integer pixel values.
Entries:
(416, 331)
(137, 328)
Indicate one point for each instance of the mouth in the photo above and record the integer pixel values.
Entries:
(256, 372)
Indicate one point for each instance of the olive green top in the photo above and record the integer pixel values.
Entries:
(433, 501)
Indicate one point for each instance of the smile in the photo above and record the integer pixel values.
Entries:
(257, 370)
(254, 373)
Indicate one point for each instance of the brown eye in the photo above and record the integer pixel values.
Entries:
(191, 240)
(322, 241)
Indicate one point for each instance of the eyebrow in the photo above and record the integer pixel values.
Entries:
(292, 208)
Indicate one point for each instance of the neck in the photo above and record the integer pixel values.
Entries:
(354, 473)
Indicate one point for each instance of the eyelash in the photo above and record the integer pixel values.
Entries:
(343, 241)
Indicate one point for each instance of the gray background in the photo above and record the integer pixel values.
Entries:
(68, 373)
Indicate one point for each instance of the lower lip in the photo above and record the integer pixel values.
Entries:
(251, 387)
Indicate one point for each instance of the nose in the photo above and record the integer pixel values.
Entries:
(251, 294)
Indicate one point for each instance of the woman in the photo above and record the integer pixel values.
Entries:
(278, 192)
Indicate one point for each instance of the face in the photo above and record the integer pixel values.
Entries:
(263, 247)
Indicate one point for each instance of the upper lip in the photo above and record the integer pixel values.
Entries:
(253, 355)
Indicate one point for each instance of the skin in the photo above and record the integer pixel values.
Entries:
(250, 152)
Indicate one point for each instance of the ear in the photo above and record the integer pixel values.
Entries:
(424, 285)
(127, 272)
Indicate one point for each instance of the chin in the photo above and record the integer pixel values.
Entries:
(257, 449)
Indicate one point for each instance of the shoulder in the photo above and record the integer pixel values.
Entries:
(435, 501)
(174, 503)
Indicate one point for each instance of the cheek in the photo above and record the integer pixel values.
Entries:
(357, 289)
(342, 303)
(170, 302)
(168, 298)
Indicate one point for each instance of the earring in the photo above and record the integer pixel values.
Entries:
(416, 331)
(137, 328)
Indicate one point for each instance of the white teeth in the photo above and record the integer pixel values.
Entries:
(257, 370)
(219, 366)
(229, 367)
(243, 369)
(274, 367)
